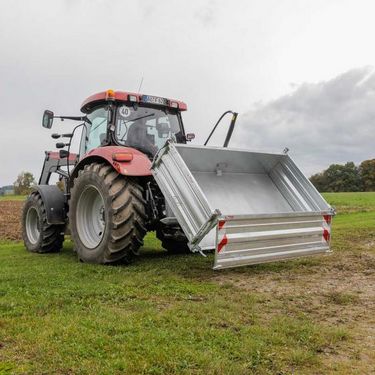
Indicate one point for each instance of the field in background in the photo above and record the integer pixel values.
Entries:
(351, 202)
(10, 218)
(173, 314)
(12, 198)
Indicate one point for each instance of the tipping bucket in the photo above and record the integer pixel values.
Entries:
(250, 207)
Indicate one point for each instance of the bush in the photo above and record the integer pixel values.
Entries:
(24, 183)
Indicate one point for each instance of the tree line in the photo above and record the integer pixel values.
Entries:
(346, 177)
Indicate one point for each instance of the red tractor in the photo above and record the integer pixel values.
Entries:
(110, 199)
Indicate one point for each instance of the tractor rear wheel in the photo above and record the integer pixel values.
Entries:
(37, 234)
(107, 215)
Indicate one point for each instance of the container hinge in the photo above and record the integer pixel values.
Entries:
(197, 249)
(202, 253)
(204, 229)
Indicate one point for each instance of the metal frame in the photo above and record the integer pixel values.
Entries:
(52, 164)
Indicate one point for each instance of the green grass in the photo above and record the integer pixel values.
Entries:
(12, 197)
(156, 316)
(168, 314)
(350, 202)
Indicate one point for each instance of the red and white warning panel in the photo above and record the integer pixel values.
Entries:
(248, 239)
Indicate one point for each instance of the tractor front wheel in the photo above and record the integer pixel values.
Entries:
(107, 215)
(38, 235)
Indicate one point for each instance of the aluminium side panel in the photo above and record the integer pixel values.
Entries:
(296, 188)
(183, 194)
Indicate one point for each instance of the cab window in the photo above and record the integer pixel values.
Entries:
(97, 130)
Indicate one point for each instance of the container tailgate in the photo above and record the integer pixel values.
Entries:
(244, 240)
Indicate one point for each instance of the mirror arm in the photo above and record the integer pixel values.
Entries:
(74, 118)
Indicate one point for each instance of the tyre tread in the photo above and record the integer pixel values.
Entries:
(52, 236)
(127, 206)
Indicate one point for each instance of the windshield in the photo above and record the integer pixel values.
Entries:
(146, 129)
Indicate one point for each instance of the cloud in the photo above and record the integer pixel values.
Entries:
(321, 123)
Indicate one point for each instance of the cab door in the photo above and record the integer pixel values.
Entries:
(95, 132)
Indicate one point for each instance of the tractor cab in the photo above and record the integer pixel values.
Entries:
(142, 122)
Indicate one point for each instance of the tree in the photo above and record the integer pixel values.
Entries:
(338, 177)
(367, 172)
(343, 177)
(319, 181)
(23, 184)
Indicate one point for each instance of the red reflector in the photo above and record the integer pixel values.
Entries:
(327, 218)
(326, 235)
(221, 224)
(222, 243)
(122, 156)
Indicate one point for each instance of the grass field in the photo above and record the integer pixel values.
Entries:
(351, 202)
(12, 198)
(173, 315)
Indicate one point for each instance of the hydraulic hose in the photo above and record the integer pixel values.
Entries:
(230, 130)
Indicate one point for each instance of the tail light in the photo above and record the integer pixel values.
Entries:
(122, 156)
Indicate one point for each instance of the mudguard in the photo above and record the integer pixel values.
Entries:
(54, 203)
(139, 165)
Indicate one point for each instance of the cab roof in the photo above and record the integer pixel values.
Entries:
(125, 96)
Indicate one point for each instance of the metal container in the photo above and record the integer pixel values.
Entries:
(250, 207)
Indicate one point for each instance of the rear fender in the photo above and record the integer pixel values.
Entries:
(139, 166)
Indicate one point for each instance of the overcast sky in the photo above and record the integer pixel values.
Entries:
(298, 72)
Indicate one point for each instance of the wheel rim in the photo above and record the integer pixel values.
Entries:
(32, 225)
(90, 217)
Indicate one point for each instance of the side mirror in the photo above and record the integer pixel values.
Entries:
(47, 119)
(189, 137)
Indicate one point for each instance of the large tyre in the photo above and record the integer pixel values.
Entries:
(173, 240)
(37, 234)
(107, 215)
